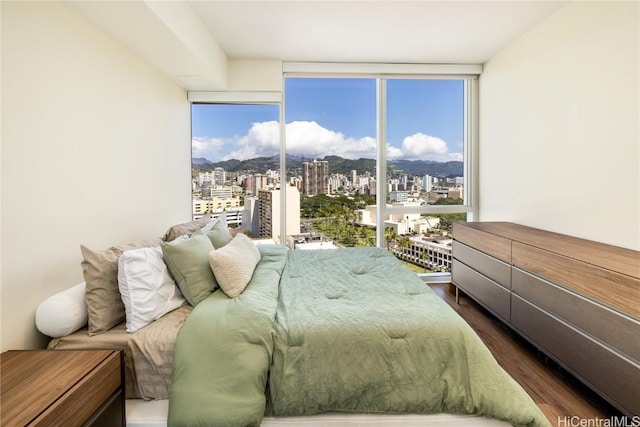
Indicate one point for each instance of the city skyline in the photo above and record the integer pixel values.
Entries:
(337, 117)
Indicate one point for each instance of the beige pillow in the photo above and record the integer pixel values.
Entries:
(233, 264)
(178, 230)
(102, 296)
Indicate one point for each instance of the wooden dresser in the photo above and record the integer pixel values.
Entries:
(62, 388)
(576, 300)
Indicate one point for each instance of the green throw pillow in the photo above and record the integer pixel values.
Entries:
(219, 234)
(188, 263)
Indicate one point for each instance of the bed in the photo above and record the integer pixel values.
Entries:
(315, 338)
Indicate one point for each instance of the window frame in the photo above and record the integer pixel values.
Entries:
(247, 98)
(382, 73)
(469, 73)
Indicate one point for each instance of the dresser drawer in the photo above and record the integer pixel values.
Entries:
(616, 290)
(488, 293)
(489, 243)
(494, 269)
(614, 376)
(619, 331)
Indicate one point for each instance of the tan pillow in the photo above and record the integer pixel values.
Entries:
(233, 264)
(102, 296)
(178, 230)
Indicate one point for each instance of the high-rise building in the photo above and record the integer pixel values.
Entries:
(205, 178)
(219, 176)
(269, 213)
(427, 183)
(315, 178)
(256, 182)
(251, 215)
(334, 184)
(372, 187)
(266, 205)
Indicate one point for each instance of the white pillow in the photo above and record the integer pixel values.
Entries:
(63, 313)
(233, 264)
(147, 289)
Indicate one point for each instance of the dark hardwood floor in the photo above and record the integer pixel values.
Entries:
(558, 394)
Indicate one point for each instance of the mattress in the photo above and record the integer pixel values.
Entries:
(142, 413)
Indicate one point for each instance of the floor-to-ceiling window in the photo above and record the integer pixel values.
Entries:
(330, 142)
(425, 144)
(235, 164)
(343, 160)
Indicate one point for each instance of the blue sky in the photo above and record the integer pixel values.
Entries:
(338, 116)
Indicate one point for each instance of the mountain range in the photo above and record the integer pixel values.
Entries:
(337, 164)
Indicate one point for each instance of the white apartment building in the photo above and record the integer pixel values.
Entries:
(251, 215)
(398, 196)
(221, 192)
(367, 216)
(400, 223)
(266, 207)
(204, 177)
(430, 254)
(219, 176)
(200, 206)
(233, 216)
(427, 183)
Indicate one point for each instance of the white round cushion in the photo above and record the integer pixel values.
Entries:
(63, 313)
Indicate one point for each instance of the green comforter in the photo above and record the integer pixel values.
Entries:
(356, 331)
(223, 352)
(353, 331)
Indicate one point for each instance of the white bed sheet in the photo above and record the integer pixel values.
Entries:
(141, 413)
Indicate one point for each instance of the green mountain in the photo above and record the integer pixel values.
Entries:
(344, 166)
(337, 164)
(426, 167)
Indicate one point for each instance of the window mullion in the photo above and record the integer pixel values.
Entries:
(381, 159)
(283, 172)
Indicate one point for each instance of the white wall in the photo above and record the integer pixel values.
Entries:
(254, 75)
(560, 126)
(95, 150)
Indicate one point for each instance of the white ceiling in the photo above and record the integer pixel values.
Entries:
(190, 40)
(369, 31)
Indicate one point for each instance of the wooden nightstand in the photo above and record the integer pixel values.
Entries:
(62, 388)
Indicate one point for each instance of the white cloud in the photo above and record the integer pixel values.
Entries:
(263, 140)
(209, 148)
(420, 146)
(312, 140)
